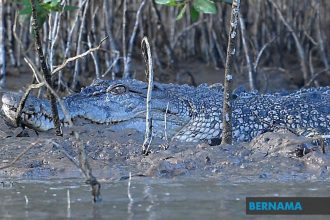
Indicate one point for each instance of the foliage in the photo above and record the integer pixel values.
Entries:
(198, 6)
(44, 8)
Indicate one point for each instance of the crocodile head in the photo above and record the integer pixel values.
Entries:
(121, 103)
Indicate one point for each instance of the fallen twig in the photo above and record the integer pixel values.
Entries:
(63, 151)
(18, 157)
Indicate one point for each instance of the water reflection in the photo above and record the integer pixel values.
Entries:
(144, 198)
(68, 199)
(130, 203)
(151, 198)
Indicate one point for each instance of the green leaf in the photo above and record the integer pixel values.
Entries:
(51, 6)
(55, 3)
(194, 14)
(44, 8)
(182, 11)
(205, 6)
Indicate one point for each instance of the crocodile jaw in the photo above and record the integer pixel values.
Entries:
(30, 117)
(38, 122)
(37, 115)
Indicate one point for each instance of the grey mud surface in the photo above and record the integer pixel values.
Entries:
(275, 157)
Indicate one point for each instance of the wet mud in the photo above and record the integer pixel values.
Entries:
(273, 156)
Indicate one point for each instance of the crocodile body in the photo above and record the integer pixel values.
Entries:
(192, 113)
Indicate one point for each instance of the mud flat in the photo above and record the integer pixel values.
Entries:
(273, 156)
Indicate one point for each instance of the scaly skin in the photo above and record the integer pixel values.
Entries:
(194, 114)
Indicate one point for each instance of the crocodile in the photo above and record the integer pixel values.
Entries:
(190, 113)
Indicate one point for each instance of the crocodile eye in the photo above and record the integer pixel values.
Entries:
(117, 89)
(31, 108)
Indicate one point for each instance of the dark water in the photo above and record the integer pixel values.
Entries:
(151, 199)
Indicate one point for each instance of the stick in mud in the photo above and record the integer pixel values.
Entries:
(227, 93)
(87, 171)
(45, 68)
(84, 166)
(146, 52)
(166, 145)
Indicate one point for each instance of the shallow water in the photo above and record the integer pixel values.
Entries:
(151, 199)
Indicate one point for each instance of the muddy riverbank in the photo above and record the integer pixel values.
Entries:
(280, 156)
